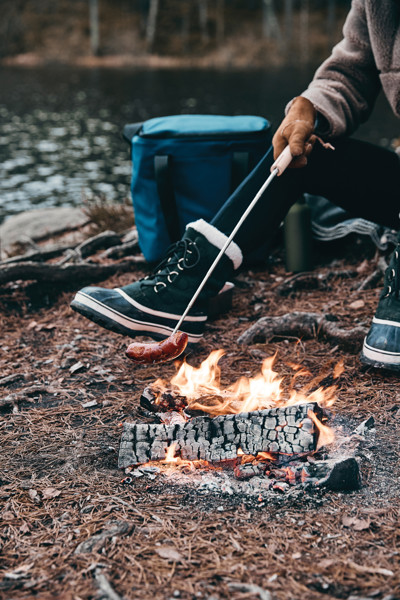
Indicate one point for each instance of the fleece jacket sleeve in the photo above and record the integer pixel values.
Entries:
(346, 85)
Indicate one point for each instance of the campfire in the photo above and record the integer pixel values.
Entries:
(255, 426)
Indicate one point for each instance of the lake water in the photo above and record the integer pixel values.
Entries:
(60, 127)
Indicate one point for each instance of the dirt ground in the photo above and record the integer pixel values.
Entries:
(60, 486)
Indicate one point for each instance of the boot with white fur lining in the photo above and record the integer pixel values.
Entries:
(381, 347)
(152, 306)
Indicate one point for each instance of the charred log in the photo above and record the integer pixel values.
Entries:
(280, 430)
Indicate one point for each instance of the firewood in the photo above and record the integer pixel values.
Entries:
(279, 430)
(304, 325)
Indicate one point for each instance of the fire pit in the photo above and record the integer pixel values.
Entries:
(253, 427)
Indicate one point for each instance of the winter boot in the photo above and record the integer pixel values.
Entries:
(153, 305)
(382, 345)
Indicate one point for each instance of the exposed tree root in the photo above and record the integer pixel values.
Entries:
(65, 273)
(311, 281)
(304, 325)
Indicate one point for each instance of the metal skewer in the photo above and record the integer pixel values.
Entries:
(279, 166)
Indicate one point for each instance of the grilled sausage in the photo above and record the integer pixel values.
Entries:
(158, 352)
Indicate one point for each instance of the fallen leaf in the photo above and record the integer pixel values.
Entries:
(24, 528)
(325, 563)
(356, 524)
(34, 496)
(169, 553)
(50, 492)
(357, 304)
(7, 515)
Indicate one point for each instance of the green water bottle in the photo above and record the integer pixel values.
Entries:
(298, 237)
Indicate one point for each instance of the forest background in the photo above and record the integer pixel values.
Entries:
(201, 32)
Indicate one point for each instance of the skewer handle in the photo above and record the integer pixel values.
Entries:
(283, 161)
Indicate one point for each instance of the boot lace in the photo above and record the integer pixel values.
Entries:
(180, 256)
(393, 275)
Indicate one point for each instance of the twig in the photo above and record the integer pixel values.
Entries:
(375, 277)
(97, 541)
(105, 586)
(21, 395)
(252, 589)
(12, 378)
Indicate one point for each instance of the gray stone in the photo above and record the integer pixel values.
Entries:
(40, 223)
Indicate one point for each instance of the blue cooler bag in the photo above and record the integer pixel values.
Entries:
(185, 167)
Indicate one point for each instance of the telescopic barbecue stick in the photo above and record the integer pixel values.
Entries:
(175, 344)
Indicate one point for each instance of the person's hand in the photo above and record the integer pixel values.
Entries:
(296, 130)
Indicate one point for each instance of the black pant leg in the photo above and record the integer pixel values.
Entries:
(360, 177)
(266, 216)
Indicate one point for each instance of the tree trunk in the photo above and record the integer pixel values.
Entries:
(152, 23)
(203, 15)
(271, 29)
(220, 21)
(94, 26)
(331, 22)
(304, 30)
(288, 19)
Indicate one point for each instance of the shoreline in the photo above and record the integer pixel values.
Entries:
(119, 61)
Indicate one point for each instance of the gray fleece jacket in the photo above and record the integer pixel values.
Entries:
(346, 85)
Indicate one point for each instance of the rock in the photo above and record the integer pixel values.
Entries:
(39, 224)
(357, 304)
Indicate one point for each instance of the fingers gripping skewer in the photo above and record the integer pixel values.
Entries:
(175, 344)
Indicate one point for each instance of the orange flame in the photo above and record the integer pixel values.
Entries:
(326, 435)
(202, 388)
(170, 456)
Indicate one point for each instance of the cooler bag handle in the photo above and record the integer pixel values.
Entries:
(131, 130)
(240, 168)
(165, 188)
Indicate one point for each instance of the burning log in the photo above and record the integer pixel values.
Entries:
(288, 430)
